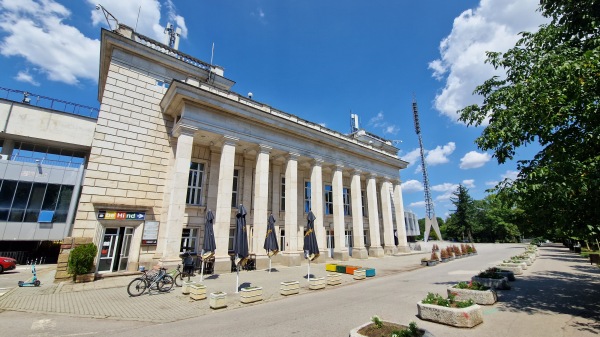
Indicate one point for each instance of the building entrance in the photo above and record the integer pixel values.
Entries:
(114, 249)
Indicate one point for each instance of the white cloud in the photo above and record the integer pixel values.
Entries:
(411, 157)
(492, 26)
(379, 122)
(25, 76)
(491, 183)
(469, 183)
(445, 187)
(511, 175)
(412, 186)
(474, 159)
(440, 154)
(445, 196)
(34, 30)
(417, 204)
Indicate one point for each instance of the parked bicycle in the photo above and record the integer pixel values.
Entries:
(153, 280)
(179, 274)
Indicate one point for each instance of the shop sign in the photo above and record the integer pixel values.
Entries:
(150, 235)
(121, 215)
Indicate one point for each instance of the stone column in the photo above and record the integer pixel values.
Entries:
(291, 256)
(375, 250)
(389, 246)
(358, 250)
(245, 182)
(340, 252)
(170, 233)
(316, 202)
(261, 199)
(400, 223)
(223, 208)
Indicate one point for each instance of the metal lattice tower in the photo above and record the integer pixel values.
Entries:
(430, 219)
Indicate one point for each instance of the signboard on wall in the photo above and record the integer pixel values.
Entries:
(121, 215)
(150, 235)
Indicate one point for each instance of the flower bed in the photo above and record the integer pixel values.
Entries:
(462, 314)
(378, 328)
(480, 294)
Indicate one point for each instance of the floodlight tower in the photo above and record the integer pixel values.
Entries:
(430, 219)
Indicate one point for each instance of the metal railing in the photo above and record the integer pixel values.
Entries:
(49, 102)
(45, 161)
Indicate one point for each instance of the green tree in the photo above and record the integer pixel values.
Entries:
(494, 221)
(550, 96)
(463, 213)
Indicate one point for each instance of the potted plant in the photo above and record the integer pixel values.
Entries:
(81, 261)
(444, 255)
(463, 250)
(462, 314)
(475, 291)
(473, 249)
(490, 278)
(251, 294)
(217, 300)
(377, 327)
(424, 261)
(433, 260)
(457, 252)
(197, 291)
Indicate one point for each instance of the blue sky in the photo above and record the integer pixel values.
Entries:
(320, 60)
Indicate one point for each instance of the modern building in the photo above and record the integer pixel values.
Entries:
(412, 225)
(173, 141)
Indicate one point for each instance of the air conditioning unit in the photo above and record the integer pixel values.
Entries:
(4, 156)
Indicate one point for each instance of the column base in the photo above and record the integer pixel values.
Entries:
(390, 250)
(341, 255)
(403, 249)
(360, 253)
(376, 252)
(323, 257)
(291, 259)
(222, 265)
(169, 262)
(262, 262)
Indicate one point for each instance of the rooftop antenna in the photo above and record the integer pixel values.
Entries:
(109, 17)
(353, 123)
(138, 19)
(430, 219)
(172, 36)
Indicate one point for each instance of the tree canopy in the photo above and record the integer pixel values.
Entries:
(550, 96)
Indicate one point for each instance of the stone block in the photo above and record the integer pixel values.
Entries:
(485, 297)
(459, 317)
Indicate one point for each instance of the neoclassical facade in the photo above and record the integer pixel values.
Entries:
(172, 141)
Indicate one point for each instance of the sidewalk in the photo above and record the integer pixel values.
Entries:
(108, 298)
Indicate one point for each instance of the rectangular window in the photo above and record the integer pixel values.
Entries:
(328, 200)
(35, 202)
(231, 236)
(195, 181)
(363, 199)
(64, 199)
(235, 188)
(346, 196)
(17, 211)
(189, 237)
(307, 200)
(282, 199)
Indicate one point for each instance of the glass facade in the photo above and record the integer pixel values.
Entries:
(22, 201)
(47, 155)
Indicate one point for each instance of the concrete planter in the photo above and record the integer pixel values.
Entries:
(354, 332)
(516, 270)
(360, 274)
(500, 284)
(523, 265)
(458, 317)
(197, 291)
(334, 279)
(485, 297)
(90, 277)
(289, 288)
(217, 300)
(510, 276)
(526, 261)
(185, 288)
(316, 283)
(251, 294)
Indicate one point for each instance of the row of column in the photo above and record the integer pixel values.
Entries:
(178, 187)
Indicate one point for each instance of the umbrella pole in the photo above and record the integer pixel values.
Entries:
(269, 264)
(202, 271)
(237, 278)
(308, 276)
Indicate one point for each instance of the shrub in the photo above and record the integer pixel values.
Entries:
(81, 259)
(437, 299)
(412, 331)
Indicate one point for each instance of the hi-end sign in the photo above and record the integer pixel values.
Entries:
(121, 215)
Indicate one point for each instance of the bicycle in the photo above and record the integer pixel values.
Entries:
(160, 281)
(178, 275)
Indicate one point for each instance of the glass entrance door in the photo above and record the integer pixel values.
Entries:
(114, 249)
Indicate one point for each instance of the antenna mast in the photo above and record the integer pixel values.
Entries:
(430, 218)
(109, 17)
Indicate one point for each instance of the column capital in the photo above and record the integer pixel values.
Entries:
(183, 129)
(355, 172)
(316, 162)
(292, 156)
(263, 148)
(396, 181)
(372, 175)
(338, 166)
(230, 140)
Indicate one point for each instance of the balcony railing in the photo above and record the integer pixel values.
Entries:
(48, 102)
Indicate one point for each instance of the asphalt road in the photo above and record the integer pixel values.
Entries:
(557, 296)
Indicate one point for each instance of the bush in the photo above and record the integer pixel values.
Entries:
(81, 259)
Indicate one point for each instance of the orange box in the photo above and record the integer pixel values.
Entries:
(350, 269)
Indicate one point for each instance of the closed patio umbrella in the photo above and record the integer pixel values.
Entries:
(208, 245)
(311, 249)
(271, 245)
(240, 242)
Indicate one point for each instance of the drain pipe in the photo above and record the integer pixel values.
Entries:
(8, 117)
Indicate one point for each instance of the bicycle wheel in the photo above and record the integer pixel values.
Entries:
(137, 287)
(165, 283)
(178, 279)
